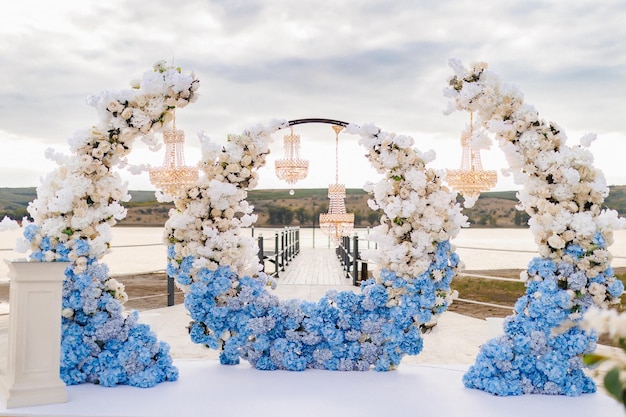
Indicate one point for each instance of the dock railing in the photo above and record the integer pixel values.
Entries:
(278, 250)
(356, 269)
(354, 265)
(286, 247)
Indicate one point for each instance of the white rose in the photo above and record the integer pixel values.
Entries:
(569, 235)
(102, 170)
(598, 299)
(97, 153)
(111, 284)
(141, 100)
(234, 168)
(67, 313)
(194, 192)
(115, 106)
(597, 289)
(556, 242)
(229, 213)
(127, 113)
(245, 173)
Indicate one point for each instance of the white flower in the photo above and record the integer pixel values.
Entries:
(67, 312)
(605, 321)
(587, 139)
(584, 225)
(8, 224)
(556, 242)
(457, 66)
(115, 106)
(62, 201)
(469, 201)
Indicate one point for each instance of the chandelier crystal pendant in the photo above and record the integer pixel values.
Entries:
(337, 223)
(173, 175)
(471, 179)
(292, 168)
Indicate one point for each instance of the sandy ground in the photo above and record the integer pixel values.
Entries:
(149, 291)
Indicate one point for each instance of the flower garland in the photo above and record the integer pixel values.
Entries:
(76, 206)
(563, 193)
(227, 296)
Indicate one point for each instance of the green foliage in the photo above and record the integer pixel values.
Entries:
(306, 205)
(592, 359)
(279, 215)
(487, 290)
(504, 195)
(320, 193)
(615, 386)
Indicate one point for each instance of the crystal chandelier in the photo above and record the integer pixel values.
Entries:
(291, 168)
(173, 174)
(471, 179)
(337, 223)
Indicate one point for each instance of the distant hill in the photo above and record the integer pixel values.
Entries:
(278, 208)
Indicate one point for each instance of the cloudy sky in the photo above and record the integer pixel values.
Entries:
(358, 61)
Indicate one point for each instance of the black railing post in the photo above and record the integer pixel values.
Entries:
(355, 258)
(298, 240)
(282, 250)
(170, 291)
(338, 251)
(364, 276)
(261, 254)
(289, 243)
(286, 244)
(276, 254)
(347, 258)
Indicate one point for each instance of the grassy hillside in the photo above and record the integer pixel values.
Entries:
(277, 207)
(13, 201)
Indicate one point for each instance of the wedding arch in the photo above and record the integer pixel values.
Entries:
(79, 202)
(76, 206)
(228, 296)
(542, 346)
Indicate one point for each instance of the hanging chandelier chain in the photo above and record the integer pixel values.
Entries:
(337, 129)
(337, 222)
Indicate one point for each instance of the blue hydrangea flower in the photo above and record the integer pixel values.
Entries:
(531, 358)
(30, 231)
(99, 344)
(615, 288)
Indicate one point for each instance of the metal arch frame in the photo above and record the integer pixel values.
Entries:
(317, 120)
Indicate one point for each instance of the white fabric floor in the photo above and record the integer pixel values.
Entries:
(426, 385)
(206, 388)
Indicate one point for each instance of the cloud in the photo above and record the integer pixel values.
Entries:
(358, 61)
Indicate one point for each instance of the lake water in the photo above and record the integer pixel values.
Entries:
(139, 249)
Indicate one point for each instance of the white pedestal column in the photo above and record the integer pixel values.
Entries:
(32, 375)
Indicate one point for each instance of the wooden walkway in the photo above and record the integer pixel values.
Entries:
(311, 273)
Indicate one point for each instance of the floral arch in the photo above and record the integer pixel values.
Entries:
(228, 296)
(542, 346)
(76, 206)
